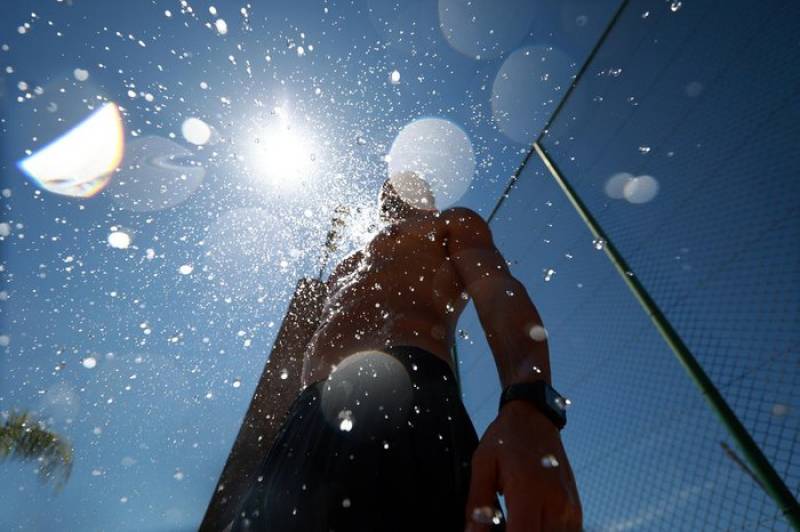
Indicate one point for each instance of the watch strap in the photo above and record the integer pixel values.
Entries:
(537, 393)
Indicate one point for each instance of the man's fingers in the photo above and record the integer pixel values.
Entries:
(481, 508)
(525, 513)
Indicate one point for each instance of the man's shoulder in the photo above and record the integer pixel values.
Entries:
(354, 255)
(346, 266)
(351, 259)
(463, 218)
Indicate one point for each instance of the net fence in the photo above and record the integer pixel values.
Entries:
(678, 136)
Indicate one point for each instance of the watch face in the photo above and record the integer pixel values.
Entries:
(555, 401)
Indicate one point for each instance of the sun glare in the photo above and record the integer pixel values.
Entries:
(283, 157)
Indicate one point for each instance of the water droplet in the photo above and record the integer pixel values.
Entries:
(361, 141)
(693, 90)
(394, 77)
(675, 6)
(463, 334)
(80, 74)
(510, 293)
(178, 475)
(196, 131)
(284, 374)
(449, 307)
(185, 269)
(119, 240)
(301, 51)
(89, 362)
(563, 403)
(346, 420)
(549, 461)
(780, 410)
(599, 244)
(538, 333)
(236, 383)
(487, 515)
(641, 189)
(345, 503)
(644, 150)
(221, 26)
(548, 274)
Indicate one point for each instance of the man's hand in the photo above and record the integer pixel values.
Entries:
(521, 456)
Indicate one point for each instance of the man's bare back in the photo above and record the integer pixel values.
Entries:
(401, 289)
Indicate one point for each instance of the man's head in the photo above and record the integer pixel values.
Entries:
(404, 193)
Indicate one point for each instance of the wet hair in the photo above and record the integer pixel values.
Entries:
(410, 189)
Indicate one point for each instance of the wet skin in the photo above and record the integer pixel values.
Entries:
(408, 286)
(401, 289)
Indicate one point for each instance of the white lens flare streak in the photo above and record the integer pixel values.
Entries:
(80, 162)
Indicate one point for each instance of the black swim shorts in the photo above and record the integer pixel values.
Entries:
(383, 445)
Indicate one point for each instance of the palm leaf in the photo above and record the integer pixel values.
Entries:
(23, 438)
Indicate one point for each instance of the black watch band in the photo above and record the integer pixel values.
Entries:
(548, 401)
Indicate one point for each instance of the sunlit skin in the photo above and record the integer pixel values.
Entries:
(408, 286)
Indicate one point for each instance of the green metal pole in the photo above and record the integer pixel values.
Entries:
(763, 470)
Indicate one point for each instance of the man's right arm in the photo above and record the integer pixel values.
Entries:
(517, 453)
(509, 318)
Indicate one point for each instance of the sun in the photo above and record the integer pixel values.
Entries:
(282, 156)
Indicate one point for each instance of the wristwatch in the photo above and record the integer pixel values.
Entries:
(548, 401)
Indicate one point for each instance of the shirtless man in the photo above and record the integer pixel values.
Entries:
(379, 439)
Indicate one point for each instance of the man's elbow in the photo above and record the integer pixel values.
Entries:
(504, 305)
(494, 291)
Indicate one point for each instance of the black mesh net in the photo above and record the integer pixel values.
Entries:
(679, 137)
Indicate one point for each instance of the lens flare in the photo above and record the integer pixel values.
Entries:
(528, 86)
(80, 162)
(438, 151)
(156, 174)
(469, 27)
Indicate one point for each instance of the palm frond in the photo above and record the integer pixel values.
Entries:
(23, 438)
